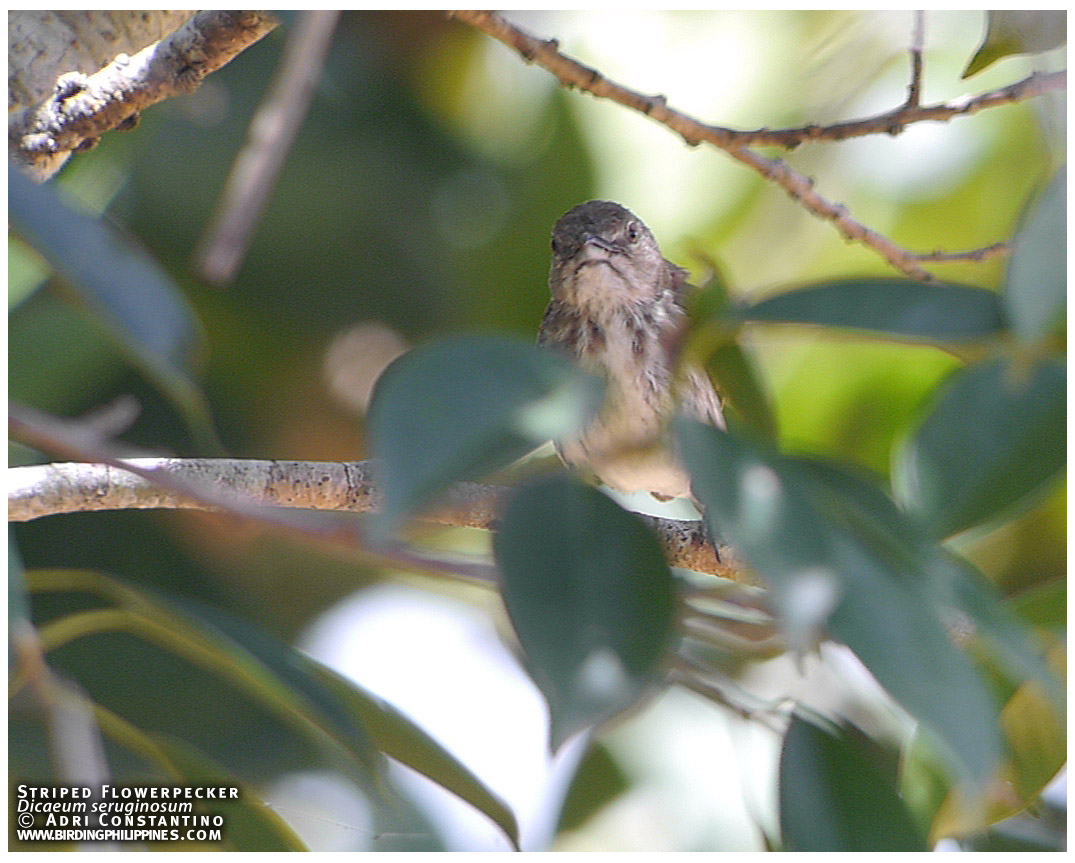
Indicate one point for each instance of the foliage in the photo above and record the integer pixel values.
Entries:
(179, 630)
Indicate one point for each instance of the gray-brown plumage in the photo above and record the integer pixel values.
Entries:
(617, 310)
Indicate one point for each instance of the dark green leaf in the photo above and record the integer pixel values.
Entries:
(397, 736)
(833, 565)
(249, 825)
(745, 400)
(994, 435)
(893, 308)
(591, 598)
(834, 797)
(1018, 31)
(951, 583)
(124, 288)
(1016, 650)
(598, 781)
(1035, 295)
(461, 407)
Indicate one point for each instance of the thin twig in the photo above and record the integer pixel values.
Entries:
(692, 675)
(894, 121)
(573, 74)
(801, 188)
(918, 37)
(940, 256)
(269, 138)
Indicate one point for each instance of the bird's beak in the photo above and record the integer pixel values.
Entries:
(595, 248)
(599, 241)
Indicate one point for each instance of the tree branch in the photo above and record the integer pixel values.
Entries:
(893, 122)
(83, 107)
(918, 38)
(276, 493)
(218, 485)
(269, 138)
(573, 74)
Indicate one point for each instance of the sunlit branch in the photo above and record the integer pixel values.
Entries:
(573, 74)
(277, 493)
(918, 38)
(83, 107)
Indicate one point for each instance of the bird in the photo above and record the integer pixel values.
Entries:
(617, 310)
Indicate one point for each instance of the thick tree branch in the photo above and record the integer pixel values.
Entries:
(736, 143)
(83, 107)
(223, 484)
(276, 493)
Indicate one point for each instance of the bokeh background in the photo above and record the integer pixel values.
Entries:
(418, 200)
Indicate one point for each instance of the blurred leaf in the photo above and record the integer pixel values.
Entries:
(249, 825)
(952, 584)
(397, 736)
(1026, 833)
(832, 566)
(995, 434)
(892, 308)
(59, 359)
(1035, 296)
(1037, 740)
(1036, 751)
(250, 659)
(712, 344)
(1018, 31)
(598, 781)
(122, 286)
(1044, 605)
(18, 604)
(833, 797)
(738, 383)
(708, 304)
(590, 596)
(1019, 654)
(460, 407)
(27, 271)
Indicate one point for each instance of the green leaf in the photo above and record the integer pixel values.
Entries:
(833, 797)
(832, 565)
(249, 825)
(901, 309)
(952, 584)
(1017, 651)
(397, 736)
(251, 660)
(738, 382)
(995, 434)
(1044, 605)
(124, 288)
(1018, 31)
(713, 344)
(590, 596)
(1035, 295)
(461, 407)
(598, 781)
(18, 604)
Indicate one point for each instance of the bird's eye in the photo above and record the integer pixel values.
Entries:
(633, 233)
(555, 246)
